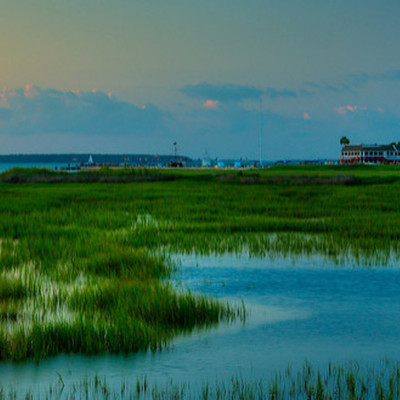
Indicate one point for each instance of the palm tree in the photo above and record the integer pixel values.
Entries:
(344, 141)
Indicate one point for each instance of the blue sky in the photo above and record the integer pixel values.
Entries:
(135, 76)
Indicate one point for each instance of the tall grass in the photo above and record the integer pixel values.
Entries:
(84, 267)
(68, 283)
(347, 381)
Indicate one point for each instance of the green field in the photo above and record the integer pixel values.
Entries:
(84, 265)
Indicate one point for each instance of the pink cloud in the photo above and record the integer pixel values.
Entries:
(30, 91)
(341, 110)
(306, 116)
(351, 108)
(5, 95)
(210, 104)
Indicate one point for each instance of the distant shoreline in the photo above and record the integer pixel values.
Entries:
(78, 158)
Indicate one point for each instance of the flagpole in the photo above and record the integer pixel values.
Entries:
(260, 133)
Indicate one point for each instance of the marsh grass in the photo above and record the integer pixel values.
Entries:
(346, 381)
(102, 310)
(68, 284)
(84, 268)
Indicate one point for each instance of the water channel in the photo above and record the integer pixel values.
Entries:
(307, 309)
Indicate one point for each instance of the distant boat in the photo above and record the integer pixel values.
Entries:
(90, 161)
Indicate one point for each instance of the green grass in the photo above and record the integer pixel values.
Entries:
(69, 283)
(348, 381)
(84, 267)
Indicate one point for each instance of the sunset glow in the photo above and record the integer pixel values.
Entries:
(208, 77)
(30, 91)
(211, 104)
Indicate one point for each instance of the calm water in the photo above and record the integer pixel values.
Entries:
(6, 166)
(298, 311)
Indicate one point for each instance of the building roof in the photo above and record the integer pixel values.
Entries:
(357, 147)
(370, 147)
(383, 147)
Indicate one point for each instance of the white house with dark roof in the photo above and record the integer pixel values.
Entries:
(371, 153)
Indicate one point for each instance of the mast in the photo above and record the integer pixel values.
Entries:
(176, 152)
(260, 132)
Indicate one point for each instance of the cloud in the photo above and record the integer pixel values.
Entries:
(230, 93)
(5, 95)
(365, 125)
(30, 91)
(371, 126)
(234, 131)
(350, 82)
(343, 110)
(35, 119)
(274, 93)
(221, 92)
(210, 104)
(363, 78)
(32, 110)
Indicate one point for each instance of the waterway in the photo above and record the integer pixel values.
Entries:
(307, 309)
(52, 166)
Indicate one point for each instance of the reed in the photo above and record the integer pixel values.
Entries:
(68, 284)
(342, 381)
(80, 262)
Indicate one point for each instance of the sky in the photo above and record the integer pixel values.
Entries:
(227, 79)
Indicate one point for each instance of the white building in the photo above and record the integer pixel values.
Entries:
(371, 153)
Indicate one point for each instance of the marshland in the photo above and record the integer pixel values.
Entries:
(248, 271)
